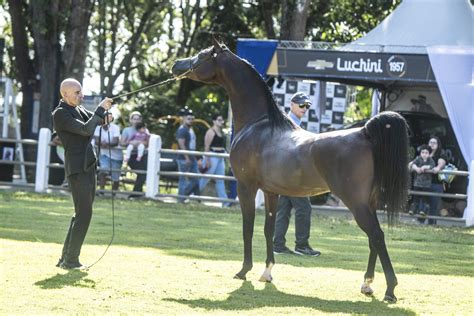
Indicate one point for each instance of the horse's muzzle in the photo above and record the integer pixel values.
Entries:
(181, 66)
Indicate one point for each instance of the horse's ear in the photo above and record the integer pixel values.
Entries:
(216, 44)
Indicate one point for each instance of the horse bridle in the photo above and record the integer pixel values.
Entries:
(213, 55)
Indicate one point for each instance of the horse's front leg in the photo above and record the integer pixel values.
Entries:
(246, 195)
(271, 202)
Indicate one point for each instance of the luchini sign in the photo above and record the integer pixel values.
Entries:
(381, 68)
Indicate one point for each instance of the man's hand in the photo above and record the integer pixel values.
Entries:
(106, 103)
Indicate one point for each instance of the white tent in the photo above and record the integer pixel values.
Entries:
(417, 24)
(442, 29)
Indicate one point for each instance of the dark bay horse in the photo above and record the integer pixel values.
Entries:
(365, 167)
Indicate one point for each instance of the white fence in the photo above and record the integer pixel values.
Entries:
(153, 171)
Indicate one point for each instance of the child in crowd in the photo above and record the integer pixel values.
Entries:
(139, 141)
(423, 177)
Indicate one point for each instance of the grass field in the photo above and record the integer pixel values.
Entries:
(172, 259)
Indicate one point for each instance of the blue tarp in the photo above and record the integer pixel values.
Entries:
(258, 52)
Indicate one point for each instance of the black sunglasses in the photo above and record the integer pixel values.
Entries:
(305, 105)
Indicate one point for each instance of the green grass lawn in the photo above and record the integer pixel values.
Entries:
(172, 259)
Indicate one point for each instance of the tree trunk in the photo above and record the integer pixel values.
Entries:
(77, 41)
(46, 37)
(294, 15)
(285, 20)
(267, 12)
(23, 63)
(298, 20)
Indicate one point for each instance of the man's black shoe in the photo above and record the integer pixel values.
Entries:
(72, 265)
(283, 251)
(59, 262)
(307, 251)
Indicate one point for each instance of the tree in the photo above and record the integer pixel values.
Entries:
(346, 20)
(294, 15)
(323, 20)
(123, 35)
(39, 57)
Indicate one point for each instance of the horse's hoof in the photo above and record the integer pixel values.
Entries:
(390, 299)
(240, 277)
(265, 279)
(366, 290)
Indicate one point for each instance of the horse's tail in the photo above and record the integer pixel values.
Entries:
(388, 133)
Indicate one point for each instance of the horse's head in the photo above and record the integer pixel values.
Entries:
(203, 66)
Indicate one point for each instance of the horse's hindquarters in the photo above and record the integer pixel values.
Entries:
(344, 159)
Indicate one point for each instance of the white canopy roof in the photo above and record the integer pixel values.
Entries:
(417, 24)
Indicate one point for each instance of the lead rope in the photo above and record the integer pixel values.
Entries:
(113, 194)
(153, 85)
(110, 152)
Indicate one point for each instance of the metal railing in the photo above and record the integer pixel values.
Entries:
(153, 172)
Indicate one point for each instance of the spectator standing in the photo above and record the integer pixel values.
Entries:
(300, 103)
(138, 142)
(437, 186)
(422, 165)
(186, 139)
(138, 165)
(214, 141)
(111, 156)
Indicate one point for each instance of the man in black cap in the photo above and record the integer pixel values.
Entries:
(300, 103)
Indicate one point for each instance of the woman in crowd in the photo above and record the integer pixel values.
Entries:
(214, 141)
(440, 160)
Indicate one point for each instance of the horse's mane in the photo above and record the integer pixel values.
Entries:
(276, 117)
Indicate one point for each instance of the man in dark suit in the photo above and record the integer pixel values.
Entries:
(75, 126)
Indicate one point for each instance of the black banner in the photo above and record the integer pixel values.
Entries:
(355, 67)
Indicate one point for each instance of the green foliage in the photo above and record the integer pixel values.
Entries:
(134, 43)
(361, 108)
(346, 20)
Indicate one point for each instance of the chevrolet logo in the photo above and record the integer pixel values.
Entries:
(320, 64)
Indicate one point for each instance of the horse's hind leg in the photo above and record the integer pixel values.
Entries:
(271, 201)
(369, 223)
(247, 205)
(369, 274)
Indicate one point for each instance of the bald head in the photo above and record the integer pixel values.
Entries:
(71, 91)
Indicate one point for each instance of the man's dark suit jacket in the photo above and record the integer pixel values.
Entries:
(75, 131)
